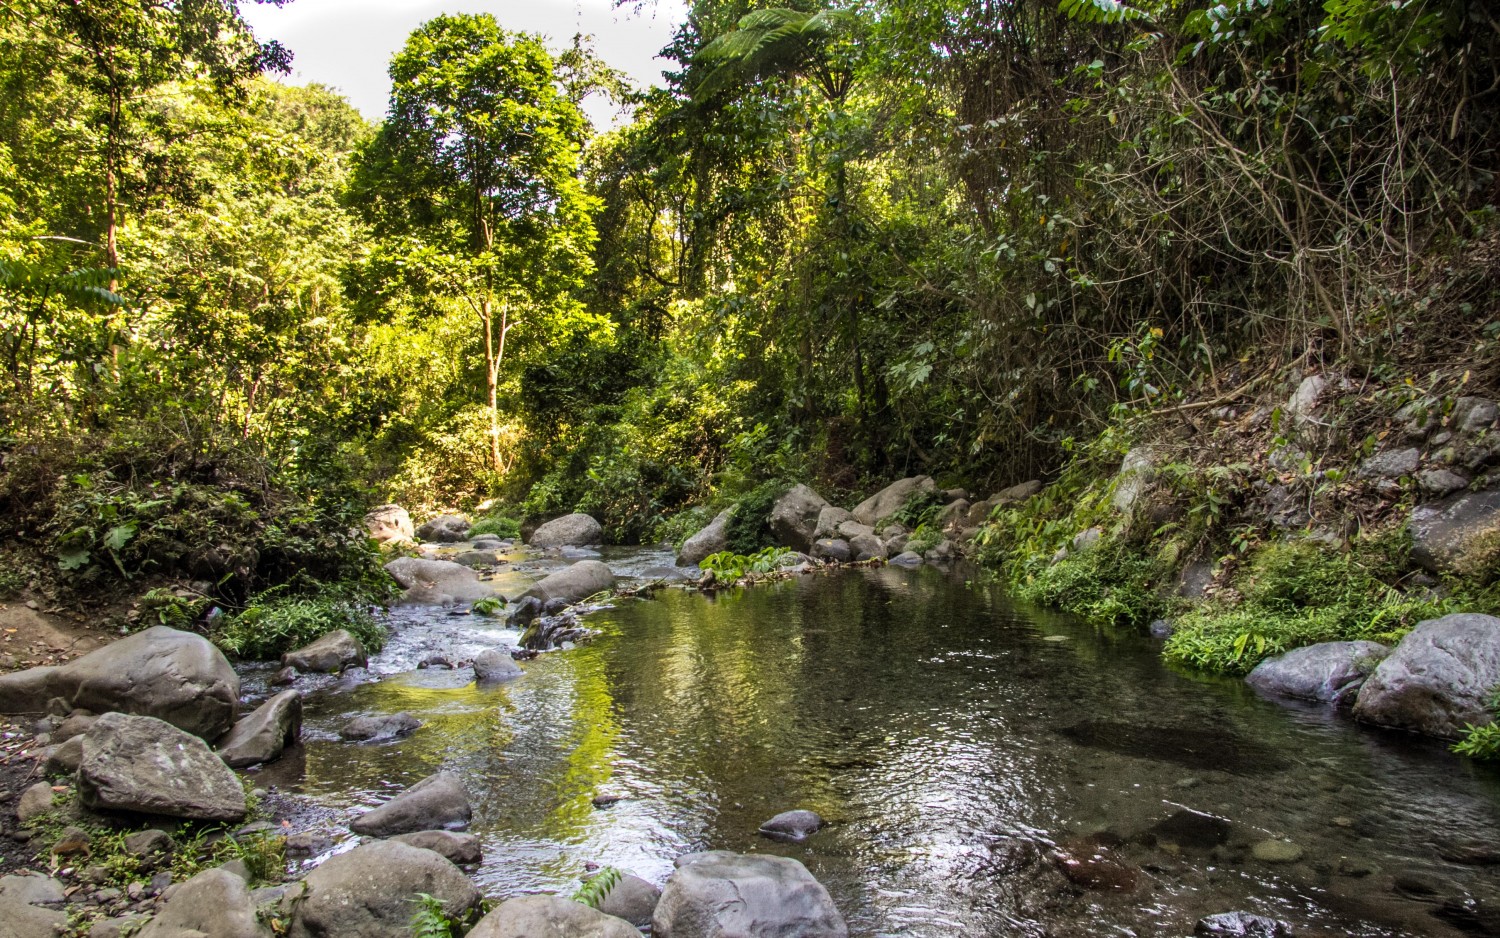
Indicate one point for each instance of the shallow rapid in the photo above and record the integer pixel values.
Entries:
(963, 748)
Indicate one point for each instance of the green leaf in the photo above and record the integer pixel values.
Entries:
(118, 536)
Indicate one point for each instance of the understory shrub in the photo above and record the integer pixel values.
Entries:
(749, 527)
(271, 625)
(1109, 584)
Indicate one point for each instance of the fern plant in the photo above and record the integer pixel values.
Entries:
(1482, 742)
(593, 892)
(430, 920)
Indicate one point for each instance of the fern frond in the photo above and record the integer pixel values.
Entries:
(430, 920)
(593, 892)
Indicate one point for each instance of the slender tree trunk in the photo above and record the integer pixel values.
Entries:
(492, 377)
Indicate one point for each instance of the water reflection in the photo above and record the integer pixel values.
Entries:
(949, 743)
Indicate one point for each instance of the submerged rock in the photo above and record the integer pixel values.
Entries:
(572, 584)
(379, 728)
(907, 559)
(550, 917)
(1276, 851)
(436, 582)
(261, 736)
(1091, 866)
(495, 664)
(161, 672)
(575, 530)
(889, 500)
(334, 652)
(1192, 830)
(718, 894)
(369, 892)
(1438, 679)
(1330, 671)
(1191, 746)
(711, 539)
(794, 517)
(148, 766)
(436, 802)
(792, 826)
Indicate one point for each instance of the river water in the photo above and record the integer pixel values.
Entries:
(955, 741)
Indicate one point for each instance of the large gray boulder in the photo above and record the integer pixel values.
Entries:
(867, 547)
(329, 654)
(445, 529)
(149, 766)
(436, 582)
(888, 500)
(575, 530)
(711, 539)
(371, 892)
(436, 802)
(833, 550)
(829, 520)
(1331, 671)
(160, 672)
(793, 518)
(571, 584)
(31, 907)
(390, 524)
(1133, 480)
(728, 895)
(214, 903)
(1460, 534)
(550, 917)
(1438, 678)
(261, 736)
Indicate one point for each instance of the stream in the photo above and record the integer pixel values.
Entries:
(955, 741)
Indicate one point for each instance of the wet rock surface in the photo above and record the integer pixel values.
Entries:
(1331, 671)
(550, 917)
(369, 892)
(436, 802)
(380, 727)
(335, 651)
(1438, 678)
(575, 530)
(719, 893)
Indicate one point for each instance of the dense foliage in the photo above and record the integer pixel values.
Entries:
(845, 242)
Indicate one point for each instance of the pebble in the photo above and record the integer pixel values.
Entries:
(72, 842)
(1276, 851)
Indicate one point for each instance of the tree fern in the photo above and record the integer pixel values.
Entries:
(1100, 11)
(766, 41)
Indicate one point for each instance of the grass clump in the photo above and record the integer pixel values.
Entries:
(1297, 594)
(1109, 584)
(499, 523)
(271, 625)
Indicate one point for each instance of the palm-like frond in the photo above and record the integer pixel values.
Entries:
(85, 286)
(765, 41)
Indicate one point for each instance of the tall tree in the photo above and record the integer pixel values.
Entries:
(475, 176)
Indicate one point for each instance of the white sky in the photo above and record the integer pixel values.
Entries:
(347, 44)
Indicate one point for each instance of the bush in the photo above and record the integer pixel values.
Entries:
(497, 522)
(272, 625)
(749, 527)
(1109, 584)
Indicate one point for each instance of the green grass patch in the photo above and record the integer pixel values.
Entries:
(499, 523)
(1110, 584)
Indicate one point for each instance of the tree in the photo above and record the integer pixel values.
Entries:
(474, 179)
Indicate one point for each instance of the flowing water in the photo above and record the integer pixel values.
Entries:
(955, 741)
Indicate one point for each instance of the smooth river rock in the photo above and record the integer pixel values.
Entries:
(632, 899)
(161, 672)
(832, 549)
(214, 903)
(437, 802)
(390, 524)
(1437, 679)
(1331, 671)
(575, 530)
(889, 500)
(370, 891)
(793, 518)
(572, 584)
(711, 539)
(728, 895)
(445, 529)
(436, 582)
(453, 846)
(330, 654)
(265, 733)
(792, 826)
(380, 727)
(550, 917)
(494, 665)
(31, 907)
(148, 766)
